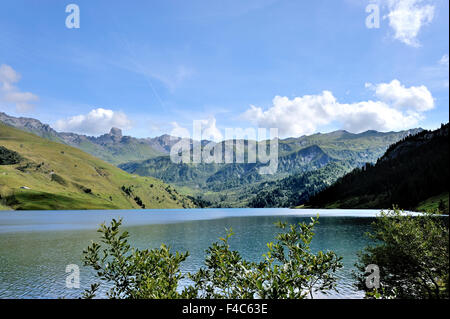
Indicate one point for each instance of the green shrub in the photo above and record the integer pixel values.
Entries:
(288, 270)
(133, 273)
(412, 253)
(57, 178)
(8, 157)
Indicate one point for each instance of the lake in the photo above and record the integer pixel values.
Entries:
(36, 246)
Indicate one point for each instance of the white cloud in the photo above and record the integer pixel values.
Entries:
(97, 121)
(444, 60)
(307, 114)
(179, 131)
(207, 128)
(373, 115)
(417, 98)
(210, 130)
(9, 93)
(298, 116)
(407, 17)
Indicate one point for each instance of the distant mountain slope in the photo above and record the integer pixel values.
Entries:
(306, 159)
(296, 155)
(31, 125)
(411, 171)
(306, 165)
(218, 177)
(111, 147)
(36, 173)
(297, 188)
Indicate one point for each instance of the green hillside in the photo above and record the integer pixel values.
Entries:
(306, 165)
(439, 202)
(412, 174)
(36, 173)
(297, 188)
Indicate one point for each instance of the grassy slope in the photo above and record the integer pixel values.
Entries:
(432, 203)
(119, 154)
(59, 176)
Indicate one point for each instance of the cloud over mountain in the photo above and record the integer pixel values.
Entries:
(97, 121)
(416, 98)
(398, 108)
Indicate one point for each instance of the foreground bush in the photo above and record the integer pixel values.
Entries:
(289, 268)
(412, 253)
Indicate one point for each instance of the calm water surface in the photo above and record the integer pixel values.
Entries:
(36, 247)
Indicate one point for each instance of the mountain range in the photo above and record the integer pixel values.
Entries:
(306, 164)
(112, 147)
(314, 161)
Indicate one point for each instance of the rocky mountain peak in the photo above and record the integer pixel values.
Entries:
(116, 132)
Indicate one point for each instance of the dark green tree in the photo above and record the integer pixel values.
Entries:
(412, 253)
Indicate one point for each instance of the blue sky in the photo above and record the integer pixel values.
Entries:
(300, 66)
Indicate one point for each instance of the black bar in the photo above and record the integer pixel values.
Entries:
(222, 308)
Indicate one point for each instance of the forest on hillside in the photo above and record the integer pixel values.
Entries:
(411, 171)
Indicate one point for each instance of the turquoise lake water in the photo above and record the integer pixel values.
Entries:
(36, 246)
